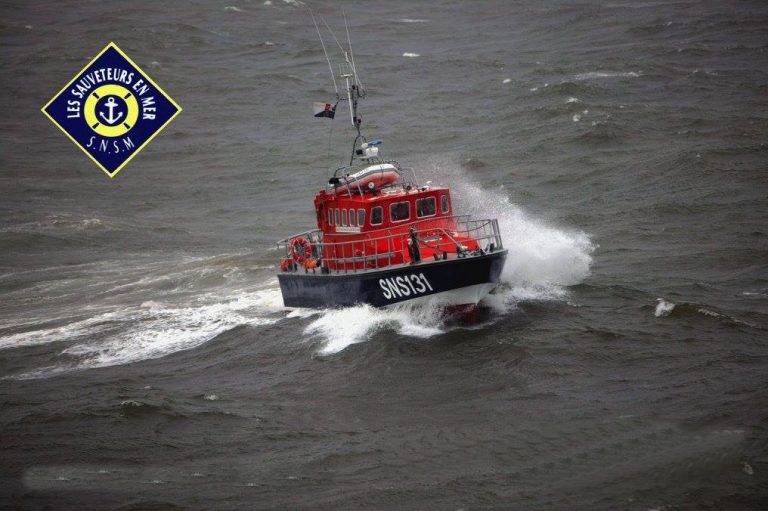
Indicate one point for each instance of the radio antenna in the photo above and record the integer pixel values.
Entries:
(327, 59)
(333, 35)
(358, 82)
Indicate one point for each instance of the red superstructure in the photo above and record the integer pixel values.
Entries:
(372, 229)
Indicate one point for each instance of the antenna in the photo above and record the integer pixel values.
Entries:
(345, 71)
(330, 68)
(352, 55)
(334, 37)
(348, 70)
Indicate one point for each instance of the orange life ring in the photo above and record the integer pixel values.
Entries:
(301, 249)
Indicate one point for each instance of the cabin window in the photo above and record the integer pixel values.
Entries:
(361, 217)
(426, 207)
(399, 211)
(344, 217)
(352, 218)
(444, 200)
(330, 217)
(338, 217)
(377, 215)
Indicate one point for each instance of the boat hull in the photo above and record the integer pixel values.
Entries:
(458, 281)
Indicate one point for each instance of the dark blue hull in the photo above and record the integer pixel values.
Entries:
(477, 273)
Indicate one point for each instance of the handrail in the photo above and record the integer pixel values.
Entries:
(480, 224)
(303, 234)
(374, 252)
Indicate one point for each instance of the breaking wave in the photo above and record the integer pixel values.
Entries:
(594, 75)
(543, 259)
(663, 308)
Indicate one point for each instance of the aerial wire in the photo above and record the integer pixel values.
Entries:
(327, 59)
(351, 54)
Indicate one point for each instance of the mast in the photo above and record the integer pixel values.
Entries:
(353, 96)
(348, 72)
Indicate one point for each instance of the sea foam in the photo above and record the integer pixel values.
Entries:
(150, 330)
(603, 74)
(663, 308)
(339, 328)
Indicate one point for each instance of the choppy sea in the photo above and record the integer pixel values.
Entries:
(147, 362)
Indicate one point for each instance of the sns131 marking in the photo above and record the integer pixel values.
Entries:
(404, 285)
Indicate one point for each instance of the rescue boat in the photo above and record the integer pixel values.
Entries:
(381, 238)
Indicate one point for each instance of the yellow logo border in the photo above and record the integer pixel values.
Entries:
(145, 75)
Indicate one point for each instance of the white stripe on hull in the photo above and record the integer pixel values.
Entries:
(469, 295)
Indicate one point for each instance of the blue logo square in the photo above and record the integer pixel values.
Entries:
(111, 109)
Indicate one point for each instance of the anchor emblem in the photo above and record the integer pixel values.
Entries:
(111, 110)
(111, 104)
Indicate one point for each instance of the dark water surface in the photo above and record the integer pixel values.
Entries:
(146, 361)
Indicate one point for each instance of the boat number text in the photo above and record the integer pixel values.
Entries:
(405, 285)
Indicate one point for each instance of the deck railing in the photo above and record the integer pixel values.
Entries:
(440, 237)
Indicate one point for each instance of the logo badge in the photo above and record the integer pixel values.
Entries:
(111, 109)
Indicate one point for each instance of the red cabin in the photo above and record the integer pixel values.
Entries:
(366, 227)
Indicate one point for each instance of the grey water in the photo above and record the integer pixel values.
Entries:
(147, 362)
